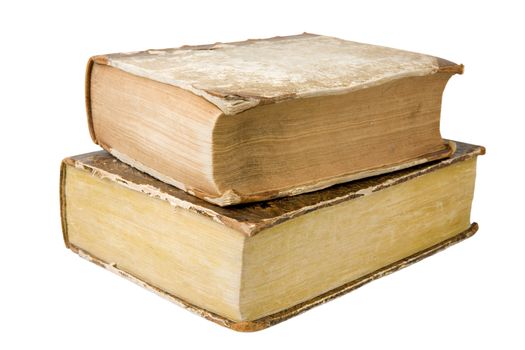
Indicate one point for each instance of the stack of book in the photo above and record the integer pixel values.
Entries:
(251, 181)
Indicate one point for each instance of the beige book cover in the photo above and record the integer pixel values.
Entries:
(251, 266)
(259, 119)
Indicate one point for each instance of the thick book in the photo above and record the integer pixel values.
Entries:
(250, 266)
(261, 119)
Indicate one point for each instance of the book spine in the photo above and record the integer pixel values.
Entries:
(63, 216)
(89, 69)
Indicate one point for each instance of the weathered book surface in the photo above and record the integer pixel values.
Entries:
(250, 266)
(260, 119)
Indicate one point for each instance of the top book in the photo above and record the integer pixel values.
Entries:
(260, 119)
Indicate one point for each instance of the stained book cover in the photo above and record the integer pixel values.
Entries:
(245, 117)
(251, 220)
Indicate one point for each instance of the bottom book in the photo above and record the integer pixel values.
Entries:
(248, 267)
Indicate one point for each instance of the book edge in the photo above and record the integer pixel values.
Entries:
(268, 321)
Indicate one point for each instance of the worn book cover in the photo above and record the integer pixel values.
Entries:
(259, 119)
(250, 266)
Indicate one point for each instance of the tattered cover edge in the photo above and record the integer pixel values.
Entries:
(267, 321)
(444, 66)
(232, 197)
(252, 226)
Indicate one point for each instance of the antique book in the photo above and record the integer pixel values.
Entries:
(261, 119)
(248, 267)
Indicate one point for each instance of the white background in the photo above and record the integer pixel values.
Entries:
(470, 296)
